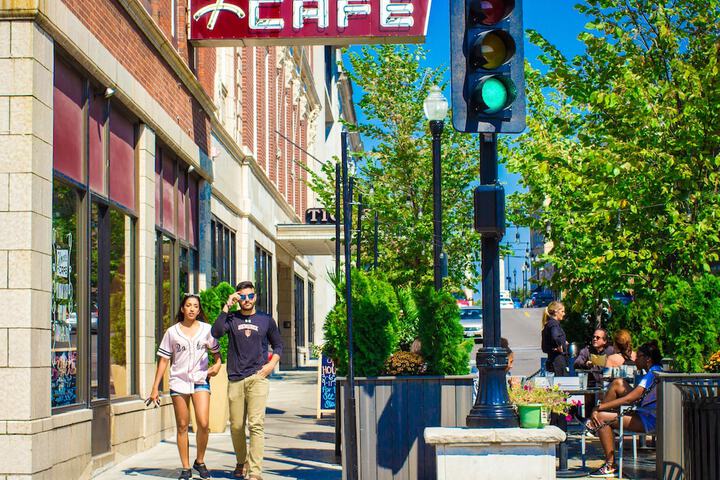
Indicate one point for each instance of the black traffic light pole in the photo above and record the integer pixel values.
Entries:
(492, 407)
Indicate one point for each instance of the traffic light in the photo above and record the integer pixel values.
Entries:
(488, 80)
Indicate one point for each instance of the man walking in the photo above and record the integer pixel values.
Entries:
(248, 368)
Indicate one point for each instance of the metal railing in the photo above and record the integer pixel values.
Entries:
(701, 432)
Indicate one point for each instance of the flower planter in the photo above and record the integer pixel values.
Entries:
(392, 414)
(531, 415)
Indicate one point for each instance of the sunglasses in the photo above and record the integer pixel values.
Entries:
(191, 295)
(249, 296)
(595, 337)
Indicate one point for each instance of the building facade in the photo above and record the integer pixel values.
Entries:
(134, 168)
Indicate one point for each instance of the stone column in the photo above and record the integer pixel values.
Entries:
(26, 162)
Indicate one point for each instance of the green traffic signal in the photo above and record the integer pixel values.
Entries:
(493, 94)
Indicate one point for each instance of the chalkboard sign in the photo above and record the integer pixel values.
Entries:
(326, 386)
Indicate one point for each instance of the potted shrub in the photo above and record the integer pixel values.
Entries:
(399, 393)
(535, 404)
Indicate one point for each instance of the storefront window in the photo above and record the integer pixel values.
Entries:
(121, 309)
(66, 328)
(223, 253)
(263, 280)
(95, 347)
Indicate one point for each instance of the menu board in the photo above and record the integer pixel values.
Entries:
(326, 386)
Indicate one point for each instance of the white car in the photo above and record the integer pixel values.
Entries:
(506, 300)
(471, 321)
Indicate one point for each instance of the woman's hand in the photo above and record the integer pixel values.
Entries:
(154, 395)
(214, 370)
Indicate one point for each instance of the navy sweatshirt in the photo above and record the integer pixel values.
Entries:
(248, 337)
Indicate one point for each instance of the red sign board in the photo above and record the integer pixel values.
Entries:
(307, 22)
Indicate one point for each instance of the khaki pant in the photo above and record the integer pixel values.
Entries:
(248, 398)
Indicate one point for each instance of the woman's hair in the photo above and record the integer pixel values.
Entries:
(623, 343)
(179, 316)
(550, 311)
(652, 351)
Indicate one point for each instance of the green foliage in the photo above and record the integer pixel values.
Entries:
(394, 178)
(684, 320)
(407, 318)
(375, 326)
(621, 155)
(443, 346)
(212, 300)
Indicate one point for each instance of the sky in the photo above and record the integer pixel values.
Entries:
(559, 23)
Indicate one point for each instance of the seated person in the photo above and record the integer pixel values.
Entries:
(641, 419)
(599, 346)
(623, 352)
(510, 355)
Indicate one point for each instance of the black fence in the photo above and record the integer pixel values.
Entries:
(701, 418)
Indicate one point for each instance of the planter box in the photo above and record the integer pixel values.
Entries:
(392, 414)
(219, 406)
(670, 447)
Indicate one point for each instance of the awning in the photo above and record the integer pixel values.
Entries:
(307, 239)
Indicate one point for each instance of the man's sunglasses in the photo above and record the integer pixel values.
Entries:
(249, 296)
(595, 337)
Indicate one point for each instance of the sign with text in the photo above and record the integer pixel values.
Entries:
(307, 22)
(318, 216)
(326, 386)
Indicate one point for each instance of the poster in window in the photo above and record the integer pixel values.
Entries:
(62, 263)
(326, 385)
(63, 380)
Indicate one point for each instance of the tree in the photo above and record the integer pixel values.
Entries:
(620, 157)
(395, 177)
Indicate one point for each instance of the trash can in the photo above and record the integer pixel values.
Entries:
(701, 431)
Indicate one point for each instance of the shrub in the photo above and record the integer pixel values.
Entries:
(408, 318)
(405, 363)
(684, 319)
(375, 326)
(439, 329)
(713, 363)
(212, 300)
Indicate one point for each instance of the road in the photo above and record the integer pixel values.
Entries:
(522, 328)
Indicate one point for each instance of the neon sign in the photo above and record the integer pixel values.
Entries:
(307, 22)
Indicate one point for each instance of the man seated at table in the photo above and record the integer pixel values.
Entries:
(592, 358)
(641, 419)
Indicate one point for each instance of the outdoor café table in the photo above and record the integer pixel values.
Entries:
(560, 422)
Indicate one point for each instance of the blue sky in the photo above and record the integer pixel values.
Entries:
(557, 21)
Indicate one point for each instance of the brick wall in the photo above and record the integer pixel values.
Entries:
(110, 23)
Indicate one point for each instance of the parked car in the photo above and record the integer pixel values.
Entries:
(506, 303)
(471, 321)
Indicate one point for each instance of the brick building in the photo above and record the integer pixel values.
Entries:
(134, 168)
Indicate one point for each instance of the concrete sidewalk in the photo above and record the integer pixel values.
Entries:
(297, 445)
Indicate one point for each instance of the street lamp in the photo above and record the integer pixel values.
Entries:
(436, 107)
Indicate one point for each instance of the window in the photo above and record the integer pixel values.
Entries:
(299, 311)
(311, 314)
(223, 253)
(263, 280)
(93, 254)
(66, 350)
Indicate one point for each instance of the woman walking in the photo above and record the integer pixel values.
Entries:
(554, 342)
(185, 346)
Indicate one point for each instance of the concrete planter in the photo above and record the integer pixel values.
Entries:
(219, 406)
(392, 414)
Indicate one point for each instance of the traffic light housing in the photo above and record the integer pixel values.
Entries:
(487, 54)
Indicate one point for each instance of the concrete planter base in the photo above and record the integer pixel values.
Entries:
(481, 453)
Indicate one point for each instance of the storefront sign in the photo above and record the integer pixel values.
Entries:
(326, 386)
(318, 216)
(303, 22)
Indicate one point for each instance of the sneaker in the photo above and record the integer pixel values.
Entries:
(606, 471)
(201, 469)
(185, 474)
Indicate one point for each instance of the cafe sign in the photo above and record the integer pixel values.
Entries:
(303, 22)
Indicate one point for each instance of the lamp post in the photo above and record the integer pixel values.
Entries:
(435, 107)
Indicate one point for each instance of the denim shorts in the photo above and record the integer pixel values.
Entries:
(199, 387)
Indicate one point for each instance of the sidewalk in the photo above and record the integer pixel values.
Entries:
(297, 445)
